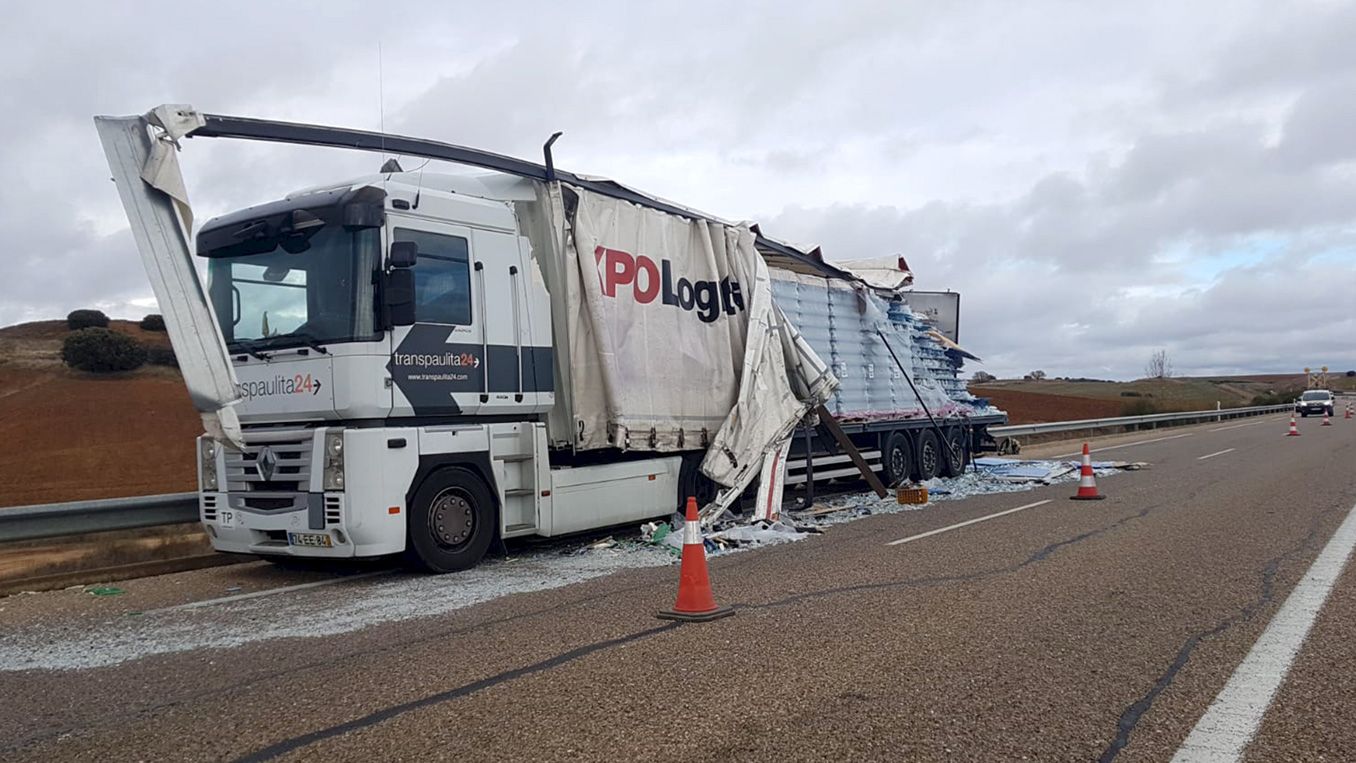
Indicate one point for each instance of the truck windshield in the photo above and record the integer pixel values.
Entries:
(279, 299)
(1314, 396)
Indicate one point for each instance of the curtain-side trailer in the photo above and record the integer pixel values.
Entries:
(420, 363)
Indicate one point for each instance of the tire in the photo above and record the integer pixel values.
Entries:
(929, 461)
(452, 521)
(896, 459)
(953, 455)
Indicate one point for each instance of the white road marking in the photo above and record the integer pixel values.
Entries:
(1217, 453)
(1232, 720)
(268, 592)
(967, 522)
(1266, 420)
(1079, 452)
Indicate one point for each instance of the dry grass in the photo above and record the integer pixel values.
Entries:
(30, 559)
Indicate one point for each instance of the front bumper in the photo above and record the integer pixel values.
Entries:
(238, 530)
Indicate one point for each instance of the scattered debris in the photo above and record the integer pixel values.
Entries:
(105, 590)
(1014, 470)
(755, 534)
(989, 475)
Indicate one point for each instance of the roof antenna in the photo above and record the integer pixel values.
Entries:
(419, 189)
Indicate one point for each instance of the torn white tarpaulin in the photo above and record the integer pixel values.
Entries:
(146, 170)
(676, 340)
(652, 369)
(888, 273)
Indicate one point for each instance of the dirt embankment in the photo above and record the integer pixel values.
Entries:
(67, 435)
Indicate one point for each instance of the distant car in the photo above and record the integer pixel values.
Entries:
(1314, 401)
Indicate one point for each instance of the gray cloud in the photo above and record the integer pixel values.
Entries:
(1098, 181)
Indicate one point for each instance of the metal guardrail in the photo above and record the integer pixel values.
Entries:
(1052, 427)
(52, 520)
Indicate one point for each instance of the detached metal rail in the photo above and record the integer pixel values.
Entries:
(1020, 430)
(54, 520)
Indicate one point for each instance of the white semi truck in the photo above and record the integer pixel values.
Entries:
(420, 363)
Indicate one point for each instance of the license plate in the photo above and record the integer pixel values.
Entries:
(315, 540)
(226, 518)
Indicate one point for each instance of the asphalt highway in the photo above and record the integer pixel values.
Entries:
(1066, 630)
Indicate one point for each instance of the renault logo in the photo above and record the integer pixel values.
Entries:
(265, 463)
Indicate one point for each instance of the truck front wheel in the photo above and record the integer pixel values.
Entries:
(451, 521)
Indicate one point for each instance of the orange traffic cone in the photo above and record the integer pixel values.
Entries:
(1087, 482)
(695, 603)
(1294, 431)
(1326, 422)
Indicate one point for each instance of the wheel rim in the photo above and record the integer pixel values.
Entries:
(452, 518)
(897, 465)
(929, 459)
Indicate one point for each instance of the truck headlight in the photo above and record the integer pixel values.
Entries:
(334, 460)
(207, 463)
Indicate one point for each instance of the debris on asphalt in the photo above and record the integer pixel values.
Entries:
(1015, 470)
(105, 590)
(758, 533)
(988, 475)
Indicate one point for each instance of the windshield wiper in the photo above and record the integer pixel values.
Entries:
(250, 349)
(310, 341)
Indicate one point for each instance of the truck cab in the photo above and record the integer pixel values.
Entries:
(371, 325)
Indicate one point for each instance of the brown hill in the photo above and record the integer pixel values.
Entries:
(1028, 401)
(66, 435)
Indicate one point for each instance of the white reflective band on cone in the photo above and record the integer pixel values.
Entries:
(692, 534)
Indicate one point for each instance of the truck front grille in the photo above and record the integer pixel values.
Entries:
(273, 462)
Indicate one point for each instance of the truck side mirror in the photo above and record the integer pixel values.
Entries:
(398, 296)
(404, 254)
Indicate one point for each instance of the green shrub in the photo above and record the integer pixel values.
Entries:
(1130, 393)
(161, 356)
(83, 319)
(101, 351)
(153, 322)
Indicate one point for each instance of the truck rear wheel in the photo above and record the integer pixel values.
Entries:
(929, 455)
(896, 459)
(451, 521)
(953, 460)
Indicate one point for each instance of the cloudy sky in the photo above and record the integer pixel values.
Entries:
(1099, 180)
